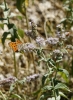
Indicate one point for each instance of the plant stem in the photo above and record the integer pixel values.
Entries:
(53, 89)
(5, 5)
(43, 55)
(3, 96)
(26, 16)
(45, 28)
(15, 65)
(15, 68)
(27, 22)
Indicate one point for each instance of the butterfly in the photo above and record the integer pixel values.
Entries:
(14, 45)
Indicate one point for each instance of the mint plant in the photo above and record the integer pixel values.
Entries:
(49, 51)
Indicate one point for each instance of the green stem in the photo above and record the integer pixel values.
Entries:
(5, 5)
(6, 9)
(27, 22)
(15, 68)
(32, 1)
(15, 65)
(8, 20)
(45, 60)
(54, 90)
(45, 27)
(3, 96)
(26, 16)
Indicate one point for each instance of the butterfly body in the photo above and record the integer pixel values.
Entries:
(14, 45)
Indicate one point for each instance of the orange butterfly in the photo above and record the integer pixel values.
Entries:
(14, 45)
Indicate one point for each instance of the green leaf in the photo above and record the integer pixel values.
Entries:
(6, 13)
(19, 17)
(53, 98)
(63, 20)
(61, 86)
(12, 87)
(72, 67)
(2, 25)
(11, 25)
(26, 3)
(13, 31)
(21, 6)
(16, 96)
(37, 92)
(4, 36)
(21, 33)
(63, 95)
(64, 71)
(42, 97)
(22, 81)
(51, 62)
(47, 88)
(44, 78)
(45, 95)
(71, 97)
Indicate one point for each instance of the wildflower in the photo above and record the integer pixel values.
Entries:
(32, 77)
(8, 81)
(40, 41)
(28, 32)
(57, 52)
(31, 34)
(65, 35)
(52, 41)
(29, 47)
(57, 55)
(69, 47)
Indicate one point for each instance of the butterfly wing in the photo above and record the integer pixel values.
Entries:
(13, 45)
(18, 41)
(19, 44)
